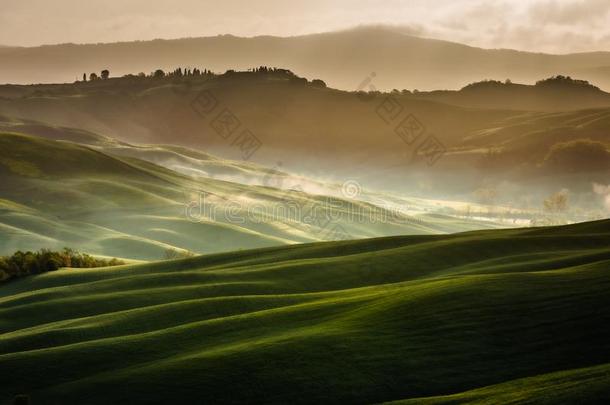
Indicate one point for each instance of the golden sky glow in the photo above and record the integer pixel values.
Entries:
(557, 26)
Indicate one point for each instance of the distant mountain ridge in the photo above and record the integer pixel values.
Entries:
(344, 59)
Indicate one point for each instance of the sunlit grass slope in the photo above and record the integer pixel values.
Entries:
(492, 316)
(586, 385)
(56, 193)
(63, 194)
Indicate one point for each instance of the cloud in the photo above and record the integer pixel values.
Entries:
(570, 13)
(552, 26)
(534, 25)
(405, 29)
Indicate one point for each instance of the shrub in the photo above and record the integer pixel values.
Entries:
(578, 155)
(319, 83)
(21, 264)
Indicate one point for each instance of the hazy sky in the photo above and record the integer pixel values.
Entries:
(535, 25)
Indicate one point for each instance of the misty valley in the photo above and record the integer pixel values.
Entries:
(355, 216)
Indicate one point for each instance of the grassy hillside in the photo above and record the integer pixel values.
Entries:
(107, 198)
(485, 317)
(585, 385)
(183, 160)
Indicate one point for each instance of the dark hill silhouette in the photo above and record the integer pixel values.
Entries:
(559, 93)
(317, 130)
(344, 59)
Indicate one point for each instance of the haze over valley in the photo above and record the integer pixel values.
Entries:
(337, 202)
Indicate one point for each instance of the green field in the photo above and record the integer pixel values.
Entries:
(495, 316)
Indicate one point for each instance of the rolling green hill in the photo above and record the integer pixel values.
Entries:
(500, 316)
(108, 198)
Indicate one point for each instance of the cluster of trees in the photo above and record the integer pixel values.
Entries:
(555, 209)
(104, 74)
(195, 72)
(557, 203)
(278, 73)
(271, 70)
(159, 73)
(180, 72)
(554, 80)
(564, 80)
(577, 156)
(488, 84)
(25, 263)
